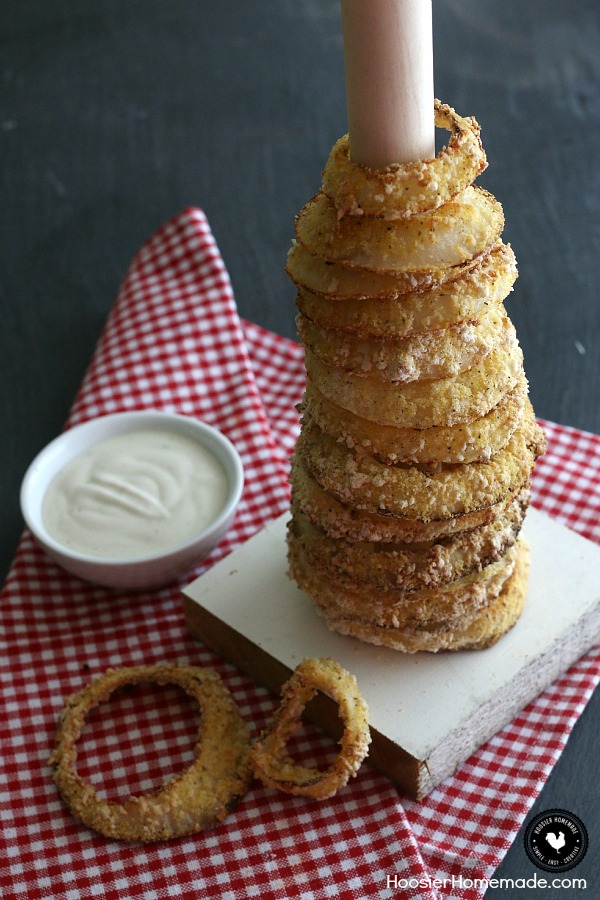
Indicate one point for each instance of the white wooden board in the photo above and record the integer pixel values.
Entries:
(428, 712)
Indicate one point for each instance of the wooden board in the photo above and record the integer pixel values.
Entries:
(428, 712)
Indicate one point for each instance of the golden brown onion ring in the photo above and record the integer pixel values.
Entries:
(339, 520)
(408, 492)
(432, 609)
(467, 442)
(492, 621)
(198, 798)
(424, 404)
(425, 356)
(458, 231)
(270, 760)
(466, 297)
(407, 567)
(337, 281)
(404, 190)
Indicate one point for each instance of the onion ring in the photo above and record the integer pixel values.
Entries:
(466, 442)
(446, 401)
(430, 610)
(424, 356)
(336, 280)
(198, 798)
(270, 761)
(465, 297)
(339, 520)
(406, 491)
(405, 190)
(449, 236)
(492, 621)
(408, 567)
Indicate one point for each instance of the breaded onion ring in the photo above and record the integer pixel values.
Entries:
(469, 295)
(449, 236)
(424, 356)
(406, 491)
(404, 190)
(463, 443)
(491, 622)
(198, 798)
(336, 280)
(408, 567)
(424, 404)
(270, 760)
(339, 520)
(452, 605)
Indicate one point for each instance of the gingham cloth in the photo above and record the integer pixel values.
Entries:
(174, 341)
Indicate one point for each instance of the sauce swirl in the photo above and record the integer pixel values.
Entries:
(134, 495)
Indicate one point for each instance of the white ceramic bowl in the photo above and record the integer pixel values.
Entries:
(140, 572)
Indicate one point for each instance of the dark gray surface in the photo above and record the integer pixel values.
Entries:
(117, 114)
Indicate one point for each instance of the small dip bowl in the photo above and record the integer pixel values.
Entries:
(142, 571)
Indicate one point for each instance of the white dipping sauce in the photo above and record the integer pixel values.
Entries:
(135, 494)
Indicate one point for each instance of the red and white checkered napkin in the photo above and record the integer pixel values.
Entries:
(174, 341)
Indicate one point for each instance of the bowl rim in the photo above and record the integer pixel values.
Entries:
(77, 438)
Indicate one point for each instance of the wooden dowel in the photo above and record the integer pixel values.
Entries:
(388, 54)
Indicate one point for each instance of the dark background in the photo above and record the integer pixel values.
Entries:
(117, 114)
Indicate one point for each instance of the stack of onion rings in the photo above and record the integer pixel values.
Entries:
(416, 426)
